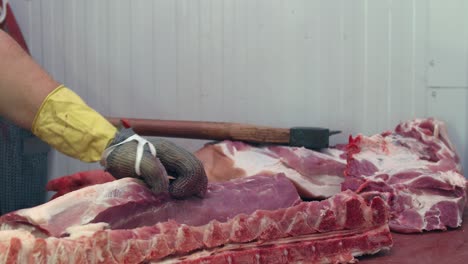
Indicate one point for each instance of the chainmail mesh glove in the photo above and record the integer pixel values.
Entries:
(129, 155)
(188, 171)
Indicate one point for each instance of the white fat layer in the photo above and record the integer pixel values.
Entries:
(453, 178)
(403, 160)
(22, 227)
(332, 154)
(97, 193)
(85, 230)
(256, 162)
(6, 235)
(251, 162)
(328, 185)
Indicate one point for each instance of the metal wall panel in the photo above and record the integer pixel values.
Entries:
(448, 43)
(357, 66)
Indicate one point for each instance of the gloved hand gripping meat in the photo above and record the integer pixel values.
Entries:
(68, 124)
(130, 155)
(190, 177)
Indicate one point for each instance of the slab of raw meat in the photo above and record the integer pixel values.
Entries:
(78, 207)
(331, 231)
(70, 183)
(127, 203)
(316, 175)
(417, 168)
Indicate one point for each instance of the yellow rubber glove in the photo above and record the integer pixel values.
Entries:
(69, 125)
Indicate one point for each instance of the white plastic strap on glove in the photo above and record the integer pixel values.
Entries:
(3, 11)
(139, 154)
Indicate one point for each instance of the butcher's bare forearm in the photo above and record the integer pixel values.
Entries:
(23, 83)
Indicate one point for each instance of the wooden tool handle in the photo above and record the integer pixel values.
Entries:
(206, 130)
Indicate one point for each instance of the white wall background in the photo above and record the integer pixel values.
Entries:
(357, 66)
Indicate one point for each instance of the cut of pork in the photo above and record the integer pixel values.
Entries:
(316, 175)
(331, 231)
(127, 203)
(76, 181)
(78, 207)
(417, 169)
